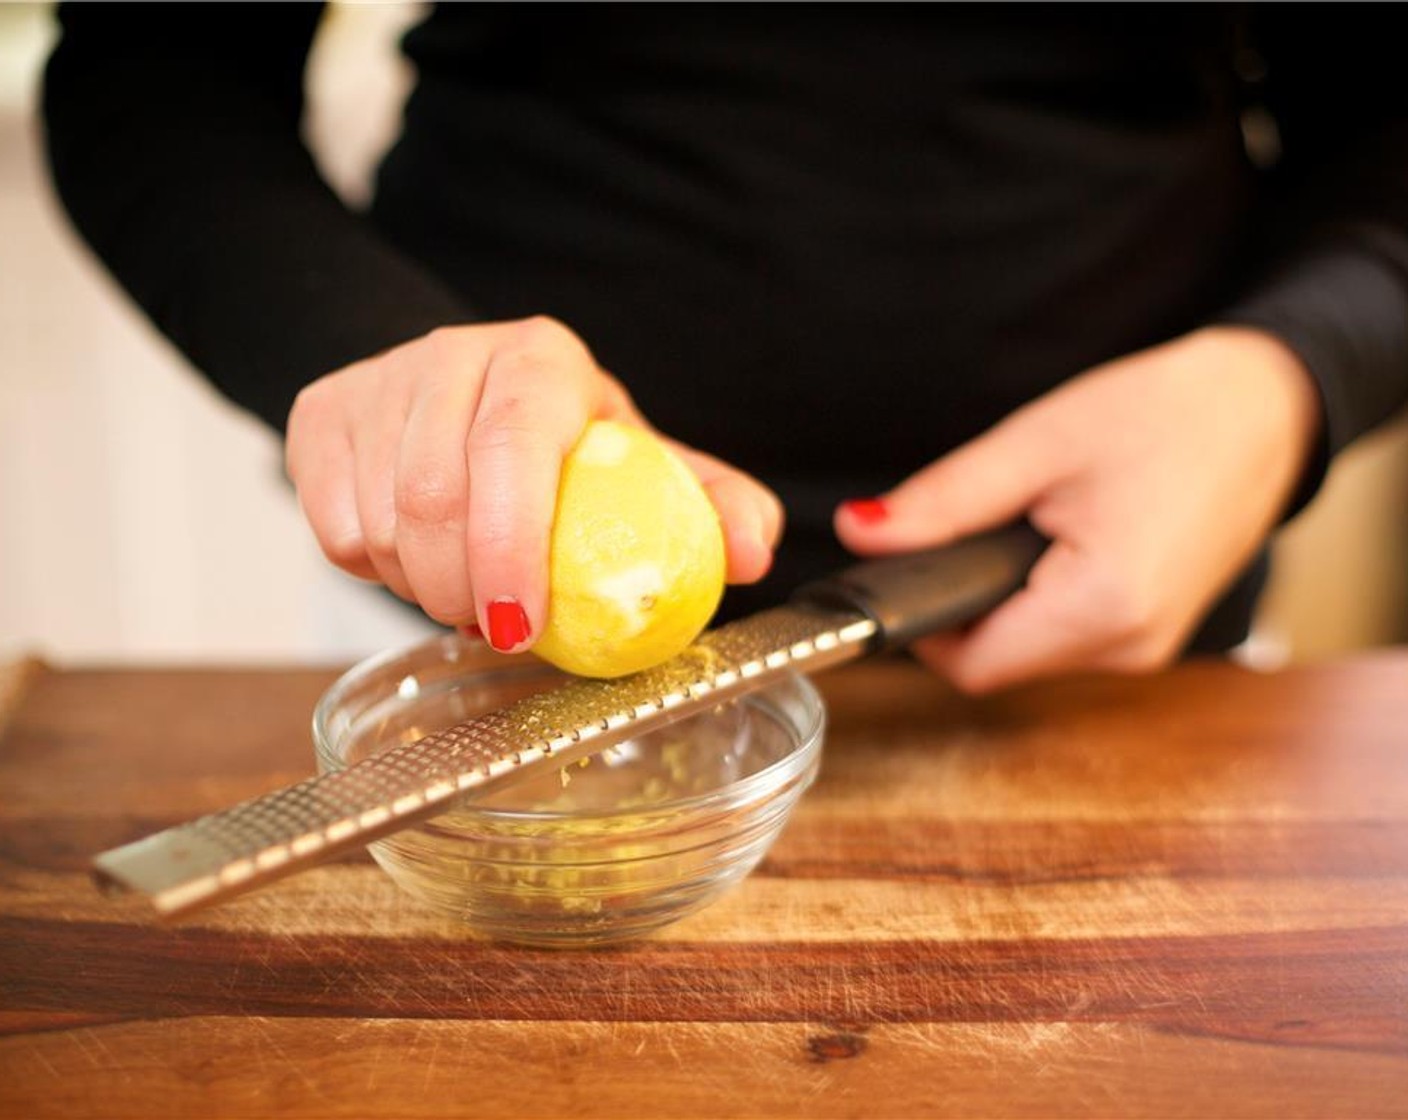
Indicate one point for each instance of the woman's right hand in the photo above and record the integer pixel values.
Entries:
(433, 468)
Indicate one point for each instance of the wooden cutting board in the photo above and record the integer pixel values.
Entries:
(1180, 895)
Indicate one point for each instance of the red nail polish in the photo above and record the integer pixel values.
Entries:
(868, 511)
(508, 624)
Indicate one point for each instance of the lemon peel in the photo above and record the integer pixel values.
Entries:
(636, 562)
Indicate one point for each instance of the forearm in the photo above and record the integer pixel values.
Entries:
(173, 137)
(1333, 282)
(1344, 312)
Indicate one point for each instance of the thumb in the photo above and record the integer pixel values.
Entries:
(751, 515)
(987, 482)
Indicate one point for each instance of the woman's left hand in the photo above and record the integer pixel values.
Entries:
(1156, 477)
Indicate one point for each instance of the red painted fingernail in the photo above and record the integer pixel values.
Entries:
(508, 624)
(868, 511)
(472, 631)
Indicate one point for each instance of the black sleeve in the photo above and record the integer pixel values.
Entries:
(173, 134)
(1335, 245)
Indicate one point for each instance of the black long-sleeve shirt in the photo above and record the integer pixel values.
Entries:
(828, 243)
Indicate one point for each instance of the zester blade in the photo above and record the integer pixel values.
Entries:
(215, 857)
(879, 604)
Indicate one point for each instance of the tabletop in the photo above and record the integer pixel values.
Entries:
(1179, 895)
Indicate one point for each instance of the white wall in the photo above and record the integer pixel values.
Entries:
(142, 518)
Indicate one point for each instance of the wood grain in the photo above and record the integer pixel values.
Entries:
(357, 1068)
(15, 677)
(1178, 896)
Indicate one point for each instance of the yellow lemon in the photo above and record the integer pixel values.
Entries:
(636, 568)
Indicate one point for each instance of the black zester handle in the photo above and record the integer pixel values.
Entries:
(222, 854)
(916, 593)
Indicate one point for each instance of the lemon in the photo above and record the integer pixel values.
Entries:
(636, 563)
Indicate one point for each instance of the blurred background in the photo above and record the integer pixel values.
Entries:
(144, 519)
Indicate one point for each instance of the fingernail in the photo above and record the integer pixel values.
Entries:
(868, 511)
(472, 631)
(508, 624)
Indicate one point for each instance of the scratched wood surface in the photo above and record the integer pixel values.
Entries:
(1179, 896)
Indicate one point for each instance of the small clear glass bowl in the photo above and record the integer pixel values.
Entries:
(654, 829)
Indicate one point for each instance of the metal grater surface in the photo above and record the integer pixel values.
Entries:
(207, 860)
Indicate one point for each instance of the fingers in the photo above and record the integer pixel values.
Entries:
(985, 483)
(751, 525)
(319, 462)
(1093, 601)
(375, 437)
(540, 389)
(434, 468)
(750, 513)
(432, 491)
(1080, 611)
(1010, 471)
(1155, 475)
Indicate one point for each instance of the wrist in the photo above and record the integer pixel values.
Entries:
(1276, 393)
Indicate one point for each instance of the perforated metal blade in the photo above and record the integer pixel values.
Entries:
(882, 603)
(215, 857)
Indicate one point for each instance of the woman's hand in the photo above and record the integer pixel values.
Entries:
(433, 468)
(1156, 477)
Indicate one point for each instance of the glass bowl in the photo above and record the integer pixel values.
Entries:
(651, 830)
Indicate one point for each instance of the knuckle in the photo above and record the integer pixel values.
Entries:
(507, 425)
(430, 495)
(443, 339)
(446, 351)
(1132, 618)
(541, 343)
(451, 606)
(1146, 653)
(970, 677)
(346, 550)
(543, 331)
(524, 369)
(298, 412)
(1124, 610)
(379, 540)
(438, 349)
(534, 366)
(309, 405)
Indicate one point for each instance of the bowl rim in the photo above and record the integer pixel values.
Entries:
(804, 753)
